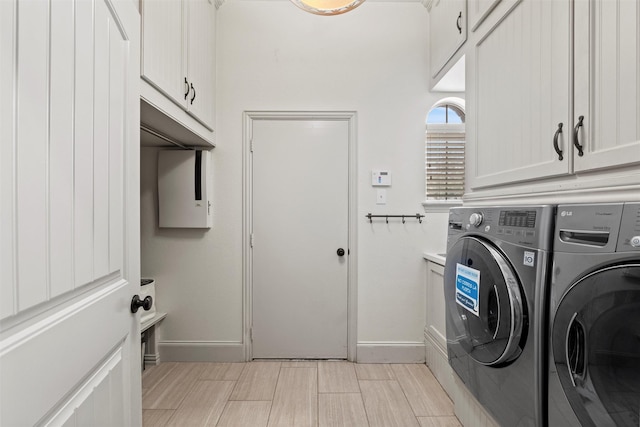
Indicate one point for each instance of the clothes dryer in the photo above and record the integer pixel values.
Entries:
(594, 369)
(496, 280)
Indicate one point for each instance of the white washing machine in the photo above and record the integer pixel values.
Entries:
(496, 282)
(594, 368)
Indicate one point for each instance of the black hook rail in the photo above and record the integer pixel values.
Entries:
(416, 216)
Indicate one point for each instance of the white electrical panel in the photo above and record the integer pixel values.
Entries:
(380, 178)
(184, 189)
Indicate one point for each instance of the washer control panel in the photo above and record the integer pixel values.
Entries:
(520, 218)
(529, 225)
(476, 219)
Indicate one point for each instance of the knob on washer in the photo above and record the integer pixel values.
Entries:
(476, 219)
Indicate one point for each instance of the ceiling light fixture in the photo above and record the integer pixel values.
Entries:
(327, 7)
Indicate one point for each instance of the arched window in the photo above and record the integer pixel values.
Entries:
(444, 150)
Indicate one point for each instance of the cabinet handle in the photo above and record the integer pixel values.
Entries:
(555, 142)
(186, 83)
(459, 23)
(194, 93)
(576, 142)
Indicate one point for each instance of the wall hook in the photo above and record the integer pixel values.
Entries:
(370, 216)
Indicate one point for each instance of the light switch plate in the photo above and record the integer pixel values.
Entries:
(381, 197)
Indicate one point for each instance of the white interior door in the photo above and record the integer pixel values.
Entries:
(69, 261)
(300, 221)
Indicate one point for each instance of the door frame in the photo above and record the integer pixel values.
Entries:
(248, 119)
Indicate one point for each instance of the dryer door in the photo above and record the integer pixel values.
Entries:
(596, 346)
(485, 309)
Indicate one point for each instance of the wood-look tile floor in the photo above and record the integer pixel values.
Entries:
(295, 394)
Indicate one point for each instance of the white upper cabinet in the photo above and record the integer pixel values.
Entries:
(447, 31)
(607, 83)
(178, 55)
(519, 82)
(528, 87)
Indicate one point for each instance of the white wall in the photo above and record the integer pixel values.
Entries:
(273, 56)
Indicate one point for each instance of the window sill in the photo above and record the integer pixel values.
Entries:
(440, 206)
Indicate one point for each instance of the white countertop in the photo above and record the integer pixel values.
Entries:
(437, 258)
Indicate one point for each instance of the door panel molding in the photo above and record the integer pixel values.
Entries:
(83, 351)
(95, 392)
(249, 118)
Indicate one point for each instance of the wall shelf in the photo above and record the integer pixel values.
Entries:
(416, 216)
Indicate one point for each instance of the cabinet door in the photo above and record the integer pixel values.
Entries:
(436, 323)
(448, 31)
(518, 90)
(163, 60)
(607, 86)
(478, 10)
(201, 53)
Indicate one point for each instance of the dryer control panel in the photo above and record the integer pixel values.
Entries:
(598, 228)
(629, 238)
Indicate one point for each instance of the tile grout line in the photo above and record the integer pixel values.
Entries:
(160, 380)
(404, 393)
(366, 414)
(318, 394)
(273, 396)
(226, 405)
(237, 381)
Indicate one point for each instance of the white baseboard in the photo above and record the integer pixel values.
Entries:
(390, 352)
(212, 351)
(151, 359)
(201, 351)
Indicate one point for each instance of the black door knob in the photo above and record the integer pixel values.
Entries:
(340, 252)
(136, 303)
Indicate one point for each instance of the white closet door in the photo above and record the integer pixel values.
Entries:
(300, 220)
(69, 346)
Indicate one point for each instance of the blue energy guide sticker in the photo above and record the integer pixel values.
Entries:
(467, 285)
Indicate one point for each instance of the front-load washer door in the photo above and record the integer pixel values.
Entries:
(596, 346)
(486, 314)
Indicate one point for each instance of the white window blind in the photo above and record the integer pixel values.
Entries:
(444, 162)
